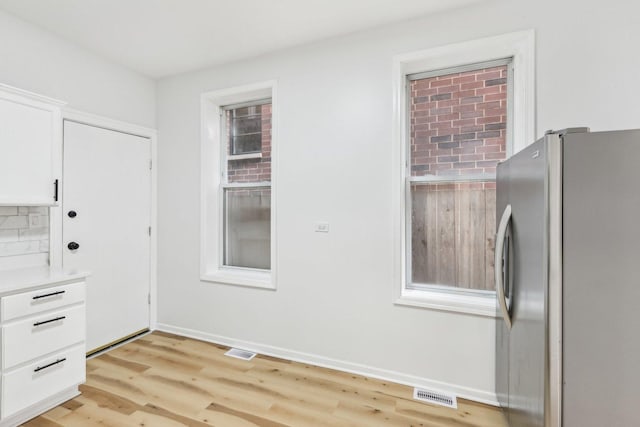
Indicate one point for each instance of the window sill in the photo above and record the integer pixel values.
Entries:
(244, 156)
(477, 305)
(251, 279)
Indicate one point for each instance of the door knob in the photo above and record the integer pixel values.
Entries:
(72, 214)
(73, 246)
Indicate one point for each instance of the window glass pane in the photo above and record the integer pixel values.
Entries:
(247, 227)
(458, 128)
(247, 125)
(248, 131)
(452, 234)
(244, 144)
(459, 122)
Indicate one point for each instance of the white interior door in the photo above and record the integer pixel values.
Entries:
(106, 210)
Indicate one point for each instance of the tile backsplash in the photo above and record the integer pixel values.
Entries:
(24, 230)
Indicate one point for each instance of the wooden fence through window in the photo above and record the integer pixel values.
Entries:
(453, 233)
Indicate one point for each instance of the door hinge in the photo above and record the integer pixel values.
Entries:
(150, 164)
(149, 231)
(55, 190)
(149, 299)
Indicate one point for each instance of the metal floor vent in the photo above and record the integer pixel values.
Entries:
(436, 397)
(240, 354)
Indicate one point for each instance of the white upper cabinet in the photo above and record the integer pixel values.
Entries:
(30, 148)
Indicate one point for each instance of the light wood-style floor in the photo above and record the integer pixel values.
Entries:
(166, 380)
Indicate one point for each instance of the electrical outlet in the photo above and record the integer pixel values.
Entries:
(321, 227)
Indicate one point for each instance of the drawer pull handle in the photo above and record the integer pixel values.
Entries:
(49, 321)
(49, 295)
(40, 368)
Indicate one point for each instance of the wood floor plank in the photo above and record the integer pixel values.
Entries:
(293, 416)
(143, 418)
(222, 419)
(166, 414)
(466, 414)
(173, 337)
(42, 422)
(106, 399)
(88, 416)
(372, 416)
(251, 418)
(271, 386)
(164, 380)
(56, 413)
(173, 396)
(72, 404)
(308, 384)
(117, 383)
(110, 360)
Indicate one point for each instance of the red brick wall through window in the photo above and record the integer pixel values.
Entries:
(458, 123)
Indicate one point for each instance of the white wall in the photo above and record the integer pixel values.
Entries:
(35, 60)
(334, 296)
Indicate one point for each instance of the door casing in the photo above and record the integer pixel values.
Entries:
(56, 213)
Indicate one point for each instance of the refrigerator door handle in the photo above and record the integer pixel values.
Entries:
(500, 235)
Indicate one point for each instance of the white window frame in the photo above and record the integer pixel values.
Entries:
(212, 168)
(520, 47)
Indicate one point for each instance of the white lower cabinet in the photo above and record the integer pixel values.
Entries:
(42, 342)
(32, 337)
(40, 300)
(41, 379)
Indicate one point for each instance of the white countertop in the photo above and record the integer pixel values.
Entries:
(31, 278)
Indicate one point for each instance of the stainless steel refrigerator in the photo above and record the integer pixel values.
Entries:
(568, 281)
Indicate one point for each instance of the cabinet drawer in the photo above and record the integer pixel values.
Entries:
(33, 302)
(41, 379)
(36, 336)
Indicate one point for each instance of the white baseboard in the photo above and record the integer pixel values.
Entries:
(325, 362)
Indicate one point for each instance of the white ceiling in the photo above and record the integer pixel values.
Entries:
(163, 37)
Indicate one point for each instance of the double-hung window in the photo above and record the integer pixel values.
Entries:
(462, 110)
(246, 185)
(459, 129)
(237, 170)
